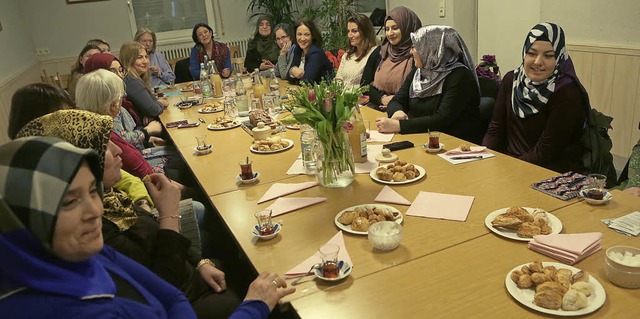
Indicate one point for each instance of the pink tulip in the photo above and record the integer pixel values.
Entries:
(327, 104)
(348, 126)
(312, 96)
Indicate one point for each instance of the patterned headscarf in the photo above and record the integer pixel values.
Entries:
(529, 97)
(87, 130)
(265, 46)
(35, 174)
(408, 22)
(441, 50)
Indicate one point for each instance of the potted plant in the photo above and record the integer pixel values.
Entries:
(279, 11)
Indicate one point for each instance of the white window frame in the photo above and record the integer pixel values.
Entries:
(176, 36)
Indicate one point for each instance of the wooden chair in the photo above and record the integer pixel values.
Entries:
(237, 61)
(61, 81)
(172, 63)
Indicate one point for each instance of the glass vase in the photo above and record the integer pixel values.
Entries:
(334, 161)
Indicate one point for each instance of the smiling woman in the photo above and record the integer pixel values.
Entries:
(135, 61)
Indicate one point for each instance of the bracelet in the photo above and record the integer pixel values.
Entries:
(170, 216)
(141, 202)
(203, 262)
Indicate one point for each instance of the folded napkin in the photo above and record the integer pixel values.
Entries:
(375, 136)
(442, 206)
(474, 150)
(388, 195)
(303, 267)
(279, 189)
(565, 186)
(288, 204)
(568, 248)
(297, 168)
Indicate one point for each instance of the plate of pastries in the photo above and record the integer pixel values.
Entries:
(357, 219)
(273, 144)
(398, 172)
(522, 223)
(223, 123)
(211, 108)
(555, 288)
(187, 88)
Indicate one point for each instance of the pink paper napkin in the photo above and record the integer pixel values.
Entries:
(474, 150)
(303, 267)
(279, 189)
(288, 204)
(442, 206)
(568, 248)
(388, 195)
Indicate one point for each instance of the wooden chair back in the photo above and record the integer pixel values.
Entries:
(237, 61)
(59, 80)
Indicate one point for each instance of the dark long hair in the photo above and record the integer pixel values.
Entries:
(33, 101)
(316, 36)
(77, 67)
(365, 27)
(194, 34)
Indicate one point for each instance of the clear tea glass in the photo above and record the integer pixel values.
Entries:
(265, 226)
(329, 255)
(434, 139)
(596, 186)
(246, 172)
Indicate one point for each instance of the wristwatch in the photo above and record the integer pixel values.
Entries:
(203, 262)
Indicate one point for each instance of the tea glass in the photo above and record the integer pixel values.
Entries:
(265, 226)
(434, 139)
(329, 255)
(596, 186)
(246, 171)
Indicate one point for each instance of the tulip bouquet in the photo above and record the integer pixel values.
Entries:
(327, 107)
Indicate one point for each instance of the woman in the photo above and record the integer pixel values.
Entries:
(310, 64)
(391, 63)
(34, 100)
(262, 51)
(161, 72)
(78, 67)
(630, 177)
(283, 34)
(441, 93)
(541, 106)
(102, 44)
(135, 62)
(51, 243)
(361, 43)
(215, 51)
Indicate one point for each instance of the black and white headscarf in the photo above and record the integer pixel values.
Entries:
(441, 50)
(528, 96)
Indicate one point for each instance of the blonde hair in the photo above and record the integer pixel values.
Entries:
(97, 90)
(143, 31)
(128, 55)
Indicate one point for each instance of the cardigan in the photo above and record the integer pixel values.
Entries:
(144, 102)
(350, 70)
(284, 64)
(158, 59)
(550, 139)
(316, 65)
(455, 111)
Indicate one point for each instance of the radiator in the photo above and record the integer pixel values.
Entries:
(183, 50)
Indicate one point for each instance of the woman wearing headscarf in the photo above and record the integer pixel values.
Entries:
(215, 51)
(441, 93)
(262, 51)
(390, 64)
(541, 106)
(52, 248)
(361, 44)
(51, 242)
(161, 72)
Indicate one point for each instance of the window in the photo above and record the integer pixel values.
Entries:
(368, 6)
(172, 20)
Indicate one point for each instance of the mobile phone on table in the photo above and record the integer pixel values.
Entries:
(176, 123)
(398, 145)
(196, 124)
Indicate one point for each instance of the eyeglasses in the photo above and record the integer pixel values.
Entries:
(282, 38)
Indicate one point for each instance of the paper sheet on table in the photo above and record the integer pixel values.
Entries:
(375, 137)
(303, 267)
(288, 204)
(172, 93)
(388, 195)
(280, 189)
(442, 206)
(449, 159)
(474, 150)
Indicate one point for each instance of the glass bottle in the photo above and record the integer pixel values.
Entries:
(274, 85)
(216, 81)
(258, 85)
(241, 97)
(205, 86)
(358, 137)
(307, 140)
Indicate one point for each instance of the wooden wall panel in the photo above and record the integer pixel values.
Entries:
(583, 61)
(623, 101)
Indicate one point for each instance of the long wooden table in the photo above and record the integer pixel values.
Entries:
(456, 269)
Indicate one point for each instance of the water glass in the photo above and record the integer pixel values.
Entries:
(230, 108)
(229, 88)
(307, 141)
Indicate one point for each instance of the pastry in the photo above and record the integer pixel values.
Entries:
(528, 230)
(524, 281)
(580, 276)
(538, 278)
(582, 287)
(347, 217)
(574, 300)
(360, 224)
(506, 221)
(399, 177)
(548, 299)
(465, 147)
(552, 286)
(563, 276)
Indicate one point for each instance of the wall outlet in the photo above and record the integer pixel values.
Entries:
(441, 9)
(42, 51)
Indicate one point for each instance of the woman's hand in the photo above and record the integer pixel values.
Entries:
(154, 128)
(154, 69)
(225, 72)
(285, 48)
(166, 197)
(385, 100)
(296, 72)
(400, 115)
(164, 102)
(265, 65)
(269, 288)
(635, 191)
(386, 125)
(213, 276)
(156, 141)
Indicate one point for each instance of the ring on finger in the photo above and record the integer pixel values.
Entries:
(275, 283)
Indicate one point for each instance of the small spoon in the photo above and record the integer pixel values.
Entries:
(310, 272)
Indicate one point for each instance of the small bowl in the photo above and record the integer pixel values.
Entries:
(277, 227)
(248, 181)
(344, 271)
(433, 150)
(605, 199)
(385, 235)
(203, 151)
(620, 274)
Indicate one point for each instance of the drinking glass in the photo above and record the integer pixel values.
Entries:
(434, 139)
(246, 172)
(202, 142)
(596, 186)
(329, 255)
(265, 226)
(230, 108)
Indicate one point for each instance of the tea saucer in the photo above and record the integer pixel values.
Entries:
(344, 271)
(203, 151)
(277, 227)
(432, 150)
(605, 199)
(248, 181)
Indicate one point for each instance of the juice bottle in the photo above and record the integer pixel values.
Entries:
(216, 82)
(358, 137)
(258, 86)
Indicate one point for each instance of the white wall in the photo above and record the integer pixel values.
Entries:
(16, 48)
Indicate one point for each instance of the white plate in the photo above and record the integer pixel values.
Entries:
(525, 296)
(203, 152)
(348, 229)
(605, 200)
(256, 175)
(215, 110)
(256, 231)
(432, 150)
(345, 270)
(554, 223)
(212, 128)
(423, 173)
(276, 151)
